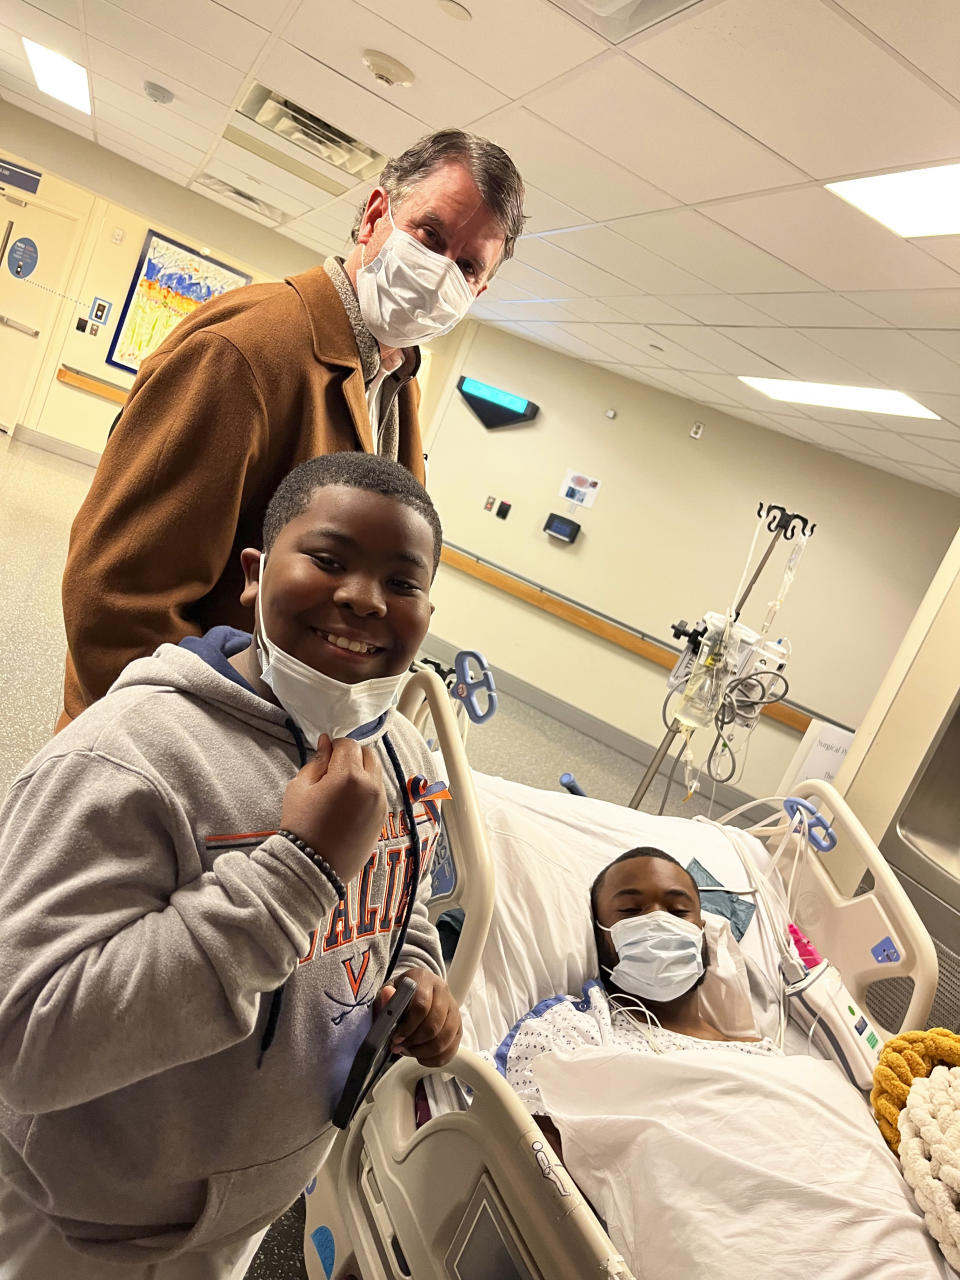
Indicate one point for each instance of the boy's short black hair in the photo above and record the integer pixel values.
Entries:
(646, 851)
(356, 471)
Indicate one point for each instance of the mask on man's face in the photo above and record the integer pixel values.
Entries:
(660, 956)
(408, 293)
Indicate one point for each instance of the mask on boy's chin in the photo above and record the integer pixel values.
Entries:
(316, 702)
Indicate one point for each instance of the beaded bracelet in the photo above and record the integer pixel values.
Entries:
(321, 864)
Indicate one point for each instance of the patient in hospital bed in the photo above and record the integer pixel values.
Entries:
(704, 1152)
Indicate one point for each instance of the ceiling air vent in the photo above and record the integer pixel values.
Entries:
(242, 198)
(300, 127)
(617, 20)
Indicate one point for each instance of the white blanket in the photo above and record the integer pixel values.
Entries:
(734, 1167)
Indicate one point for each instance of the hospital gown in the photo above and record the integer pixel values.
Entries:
(565, 1023)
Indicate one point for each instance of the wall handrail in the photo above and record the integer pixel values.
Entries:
(95, 386)
(599, 624)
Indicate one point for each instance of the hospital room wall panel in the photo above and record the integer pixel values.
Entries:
(667, 539)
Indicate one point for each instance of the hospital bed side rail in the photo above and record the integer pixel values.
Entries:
(422, 1184)
(870, 936)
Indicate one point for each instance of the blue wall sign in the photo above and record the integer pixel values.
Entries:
(17, 175)
(22, 257)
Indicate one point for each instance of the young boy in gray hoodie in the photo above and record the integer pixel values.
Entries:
(204, 882)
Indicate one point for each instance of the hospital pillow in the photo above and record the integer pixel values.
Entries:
(548, 848)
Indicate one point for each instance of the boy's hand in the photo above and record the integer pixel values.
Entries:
(430, 1030)
(337, 804)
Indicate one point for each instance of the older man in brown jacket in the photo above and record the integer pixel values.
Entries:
(253, 383)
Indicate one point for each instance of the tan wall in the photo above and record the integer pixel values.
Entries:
(113, 195)
(667, 539)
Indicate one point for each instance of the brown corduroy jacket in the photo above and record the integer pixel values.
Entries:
(242, 391)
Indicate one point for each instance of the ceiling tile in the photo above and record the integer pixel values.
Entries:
(534, 282)
(253, 10)
(820, 433)
(727, 385)
(244, 210)
(642, 270)
(341, 102)
(898, 469)
(546, 256)
(814, 309)
(133, 148)
(17, 71)
(921, 429)
(554, 336)
(501, 290)
(30, 21)
(796, 355)
(337, 32)
(949, 450)
(616, 88)
(892, 358)
(272, 195)
(605, 339)
(338, 216)
(536, 309)
(320, 247)
(596, 310)
(647, 310)
(889, 445)
(947, 342)
(948, 407)
(66, 10)
(929, 36)
(265, 177)
(943, 248)
(949, 481)
(709, 251)
(543, 213)
(134, 106)
(111, 119)
(123, 69)
(75, 121)
(202, 24)
(715, 308)
(514, 47)
(169, 55)
(654, 348)
(679, 384)
(830, 241)
(913, 308)
(725, 354)
(807, 83)
(567, 168)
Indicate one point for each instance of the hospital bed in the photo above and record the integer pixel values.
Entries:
(444, 1174)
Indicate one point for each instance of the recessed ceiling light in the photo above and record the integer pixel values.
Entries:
(459, 12)
(829, 396)
(920, 202)
(58, 76)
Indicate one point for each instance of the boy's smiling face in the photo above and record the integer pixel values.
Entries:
(347, 584)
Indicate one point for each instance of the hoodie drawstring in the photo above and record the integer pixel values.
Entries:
(276, 1003)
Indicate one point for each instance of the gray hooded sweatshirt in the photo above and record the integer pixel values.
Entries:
(147, 911)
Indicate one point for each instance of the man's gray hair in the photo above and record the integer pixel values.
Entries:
(495, 174)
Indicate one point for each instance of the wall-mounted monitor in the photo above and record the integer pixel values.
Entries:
(561, 527)
(494, 407)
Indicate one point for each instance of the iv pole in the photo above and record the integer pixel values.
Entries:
(780, 522)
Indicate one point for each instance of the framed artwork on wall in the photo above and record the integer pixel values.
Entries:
(171, 280)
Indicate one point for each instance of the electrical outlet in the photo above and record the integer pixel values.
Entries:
(119, 235)
(696, 431)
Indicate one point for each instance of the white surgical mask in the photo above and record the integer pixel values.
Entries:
(408, 293)
(660, 956)
(318, 703)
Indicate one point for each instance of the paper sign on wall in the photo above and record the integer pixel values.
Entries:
(577, 487)
(821, 753)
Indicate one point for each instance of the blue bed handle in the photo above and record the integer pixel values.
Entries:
(572, 785)
(817, 823)
(468, 685)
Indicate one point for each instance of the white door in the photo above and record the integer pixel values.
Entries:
(32, 282)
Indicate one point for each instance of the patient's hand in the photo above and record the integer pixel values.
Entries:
(430, 1029)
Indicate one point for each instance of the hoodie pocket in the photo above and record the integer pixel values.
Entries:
(240, 1202)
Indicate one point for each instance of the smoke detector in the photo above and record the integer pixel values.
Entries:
(617, 20)
(459, 12)
(387, 70)
(158, 93)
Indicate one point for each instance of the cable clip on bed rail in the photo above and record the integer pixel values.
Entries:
(816, 823)
(468, 686)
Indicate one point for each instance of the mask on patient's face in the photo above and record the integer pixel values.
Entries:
(408, 293)
(660, 956)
